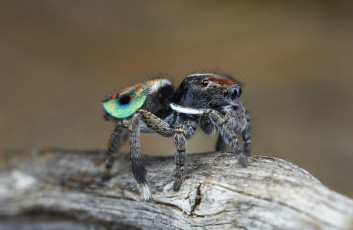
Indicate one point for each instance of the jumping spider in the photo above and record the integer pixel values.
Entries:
(209, 101)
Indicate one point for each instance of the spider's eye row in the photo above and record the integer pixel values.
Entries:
(125, 99)
(205, 82)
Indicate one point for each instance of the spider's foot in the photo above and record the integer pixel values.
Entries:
(107, 171)
(247, 148)
(104, 178)
(146, 192)
(177, 184)
(242, 160)
(106, 175)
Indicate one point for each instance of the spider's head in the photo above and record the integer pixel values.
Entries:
(153, 96)
(207, 90)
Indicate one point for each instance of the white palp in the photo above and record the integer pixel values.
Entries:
(186, 110)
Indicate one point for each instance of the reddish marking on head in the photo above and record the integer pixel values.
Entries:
(115, 95)
(223, 82)
(139, 85)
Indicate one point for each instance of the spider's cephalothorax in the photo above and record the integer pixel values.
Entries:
(209, 101)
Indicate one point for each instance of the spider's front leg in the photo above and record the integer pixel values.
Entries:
(227, 133)
(182, 134)
(246, 135)
(117, 138)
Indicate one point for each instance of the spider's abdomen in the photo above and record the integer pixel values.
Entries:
(124, 103)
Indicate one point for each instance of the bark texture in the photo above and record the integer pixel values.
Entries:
(62, 189)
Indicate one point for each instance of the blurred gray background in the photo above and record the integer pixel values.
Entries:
(59, 59)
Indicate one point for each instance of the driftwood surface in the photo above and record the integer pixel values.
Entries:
(62, 189)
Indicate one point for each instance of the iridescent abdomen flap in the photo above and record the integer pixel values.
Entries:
(126, 102)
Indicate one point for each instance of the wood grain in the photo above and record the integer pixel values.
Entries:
(44, 189)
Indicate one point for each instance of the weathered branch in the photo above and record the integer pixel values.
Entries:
(45, 188)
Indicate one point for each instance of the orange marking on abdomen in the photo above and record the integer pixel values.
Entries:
(115, 95)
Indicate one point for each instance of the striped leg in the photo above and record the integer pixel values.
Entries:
(156, 124)
(228, 135)
(246, 136)
(182, 134)
(117, 138)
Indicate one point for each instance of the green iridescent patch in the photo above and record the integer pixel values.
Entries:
(125, 103)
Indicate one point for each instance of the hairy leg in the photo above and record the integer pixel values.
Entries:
(220, 144)
(247, 136)
(114, 144)
(156, 124)
(138, 167)
(182, 134)
(228, 135)
(208, 127)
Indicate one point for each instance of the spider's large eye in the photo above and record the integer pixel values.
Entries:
(125, 99)
(205, 82)
(236, 93)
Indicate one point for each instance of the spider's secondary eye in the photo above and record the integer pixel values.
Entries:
(205, 82)
(125, 99)
(240, 91)
(225, 93)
